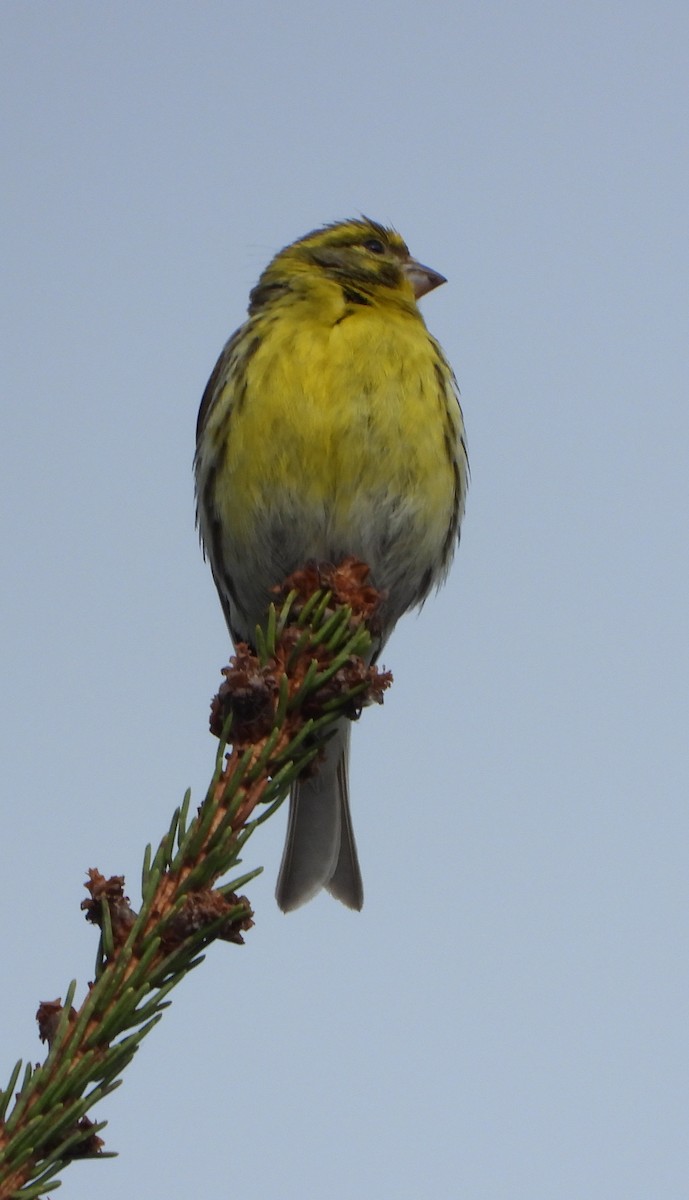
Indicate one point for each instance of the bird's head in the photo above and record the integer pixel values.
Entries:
(368, 261)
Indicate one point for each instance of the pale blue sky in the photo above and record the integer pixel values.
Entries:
(507, 1017)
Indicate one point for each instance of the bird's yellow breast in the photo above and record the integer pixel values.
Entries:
(344, 416)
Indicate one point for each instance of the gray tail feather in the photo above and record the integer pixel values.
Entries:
(320, 851)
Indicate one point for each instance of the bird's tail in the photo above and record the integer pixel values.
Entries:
(320, 850)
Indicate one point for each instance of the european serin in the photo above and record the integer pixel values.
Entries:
(330, 426)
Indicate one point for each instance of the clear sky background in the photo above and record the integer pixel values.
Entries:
(507, 1018)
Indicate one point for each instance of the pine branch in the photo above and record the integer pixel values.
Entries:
(276, 706)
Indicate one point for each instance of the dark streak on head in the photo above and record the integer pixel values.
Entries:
(265, 293)
(353, 297)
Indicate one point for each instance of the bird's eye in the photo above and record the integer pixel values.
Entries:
(374, 245)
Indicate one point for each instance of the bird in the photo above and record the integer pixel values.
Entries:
(330, 427)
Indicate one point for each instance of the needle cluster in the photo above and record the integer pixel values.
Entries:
(276, 706)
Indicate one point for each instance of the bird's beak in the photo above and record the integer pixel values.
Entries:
(423, 279)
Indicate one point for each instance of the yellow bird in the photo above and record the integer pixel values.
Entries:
(331, 426)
